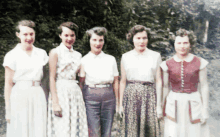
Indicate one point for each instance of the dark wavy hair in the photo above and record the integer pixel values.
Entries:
(69, 25)
(101, 31)
(27, 23)
(134, 30)
(192, 38)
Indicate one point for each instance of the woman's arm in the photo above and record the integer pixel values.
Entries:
(205, 93)
(166, 87)
(9, 74)
(115, 87)
(82, 77)
(53, 58)
(122, 87)
(159, 92)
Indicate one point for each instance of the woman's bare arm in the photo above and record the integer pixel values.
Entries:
(9, 74)
(204, 92)
(53, 58)
(122, 86)
(115, 87)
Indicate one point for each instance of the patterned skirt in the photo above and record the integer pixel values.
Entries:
(73, 123)
(139, 120)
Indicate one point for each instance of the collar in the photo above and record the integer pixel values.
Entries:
(189, 58)
(143, 53)
(95, 56)
(19, 48)
(63, 47)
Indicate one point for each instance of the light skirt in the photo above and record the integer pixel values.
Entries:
(183, 127)
(28, 111)
(74, 120)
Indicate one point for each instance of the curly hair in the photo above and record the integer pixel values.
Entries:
(27, 23)
(192, 38)
(69, 25)
(134, 30)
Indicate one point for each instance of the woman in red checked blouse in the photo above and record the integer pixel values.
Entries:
(186, 107)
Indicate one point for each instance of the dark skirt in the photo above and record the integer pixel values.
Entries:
(140, 119)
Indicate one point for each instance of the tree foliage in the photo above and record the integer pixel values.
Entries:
(163, 17)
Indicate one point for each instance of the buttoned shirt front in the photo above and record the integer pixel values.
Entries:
(184, 74)
(26, 67)
(68, 62)
(99, 69)
(141, 67)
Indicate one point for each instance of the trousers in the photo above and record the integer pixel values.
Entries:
(100, 107)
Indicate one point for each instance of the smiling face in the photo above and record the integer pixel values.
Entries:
(96, 43)
(182, 45)
(140, 41)
(68, 37)
(26, 35)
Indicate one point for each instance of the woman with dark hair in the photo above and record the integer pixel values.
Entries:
(66, 111)
(100, 74)
(138, 72)
(25, 101)
(185, 108)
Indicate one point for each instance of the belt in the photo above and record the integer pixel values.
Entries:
(29, 82)
(100, 85)
(182, 91)
(140, 82)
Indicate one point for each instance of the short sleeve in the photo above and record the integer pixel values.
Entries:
(164, 67)
(46, 58)
(115, 68)
(9, 61)
(159, 60)
(203, 64)
(123, 61)
(82, 71)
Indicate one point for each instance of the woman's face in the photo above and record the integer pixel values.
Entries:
(140, 41)
(182, 45)
(96, 43)
(68, 37)
(26, 35)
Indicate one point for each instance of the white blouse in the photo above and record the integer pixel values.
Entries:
(141, 67)
(26, 67)
(99, 69)
(68, 62)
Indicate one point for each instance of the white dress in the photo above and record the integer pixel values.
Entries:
(27, 103)
(73, 122)
(183, 127)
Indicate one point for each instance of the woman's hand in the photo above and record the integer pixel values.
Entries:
(57, 110)
(159, 112)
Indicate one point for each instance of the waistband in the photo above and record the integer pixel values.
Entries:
(140, 82)
(182, 91)
(70, 80)
(29, 82)
(100, 85)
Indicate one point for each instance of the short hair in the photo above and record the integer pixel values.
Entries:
(134, 30)
(27, 23)
(192, 38)
(101, 31)
(69, 25)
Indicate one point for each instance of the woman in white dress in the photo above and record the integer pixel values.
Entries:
(25, 101)
(66, 111)
(185, 106)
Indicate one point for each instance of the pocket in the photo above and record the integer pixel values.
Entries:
(195, 111)
(171, 109)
